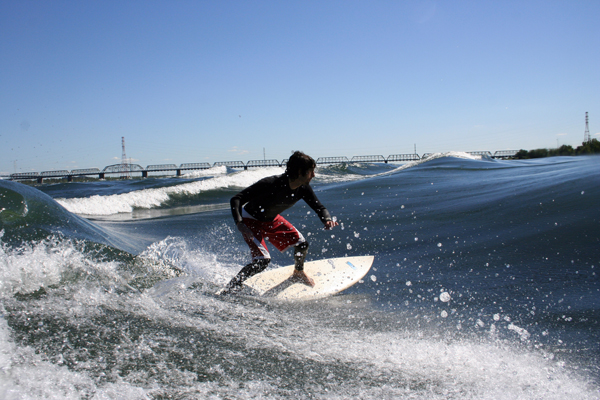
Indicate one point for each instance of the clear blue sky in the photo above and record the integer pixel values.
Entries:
(206, 81)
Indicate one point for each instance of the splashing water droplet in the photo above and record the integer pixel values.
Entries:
(445, 297)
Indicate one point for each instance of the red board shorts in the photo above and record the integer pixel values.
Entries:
(279, 232)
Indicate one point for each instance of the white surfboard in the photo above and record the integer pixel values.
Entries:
(331, 276)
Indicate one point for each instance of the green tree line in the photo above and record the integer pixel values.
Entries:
(591, 147)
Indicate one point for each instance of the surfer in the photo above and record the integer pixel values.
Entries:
(256, 212)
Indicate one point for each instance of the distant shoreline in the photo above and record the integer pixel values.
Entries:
(586, 148)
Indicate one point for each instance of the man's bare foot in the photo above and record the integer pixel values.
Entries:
(301, 276)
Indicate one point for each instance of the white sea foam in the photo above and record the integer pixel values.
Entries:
(37, 265)
(150, 198)
(338, 178)
(33, 266)
(197, 263)
(406, 363)
(358, 361)
(435, 369)
(26, 375)
(214, 171)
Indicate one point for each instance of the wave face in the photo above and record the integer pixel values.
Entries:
(485, 285)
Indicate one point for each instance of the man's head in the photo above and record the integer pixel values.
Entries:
(299, 164)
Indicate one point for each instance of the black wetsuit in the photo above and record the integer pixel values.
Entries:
(270, 196)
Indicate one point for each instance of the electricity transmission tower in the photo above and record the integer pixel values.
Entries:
(586, 135)
(124, 161)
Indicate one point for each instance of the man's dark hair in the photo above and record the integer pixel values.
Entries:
(299, 164)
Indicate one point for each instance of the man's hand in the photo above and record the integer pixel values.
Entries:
(301, 275)
(330, 224)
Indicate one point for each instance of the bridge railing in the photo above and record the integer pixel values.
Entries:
(480, 153)
(505, 153)
(368, 159)
(332, 160)
(118, 168)
(263, 163)
(55, 173)
(161, 167)
(403, 157)
(203, 165)
(230, 164)
(24, 175)
(85, 171)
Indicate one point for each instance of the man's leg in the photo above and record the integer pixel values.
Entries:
(283, 235)
(249, 270)
(300, 251)
(260, 256)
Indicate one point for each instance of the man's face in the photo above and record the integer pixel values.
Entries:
(306, 178)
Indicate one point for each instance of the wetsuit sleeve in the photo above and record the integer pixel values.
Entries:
(236, 208)
(313, 202)
(238, 201)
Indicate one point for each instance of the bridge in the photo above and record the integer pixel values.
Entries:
(128, 170)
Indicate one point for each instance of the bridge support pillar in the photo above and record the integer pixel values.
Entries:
(178, 172)
(69, 178)
(101, 175)
(144, 174)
